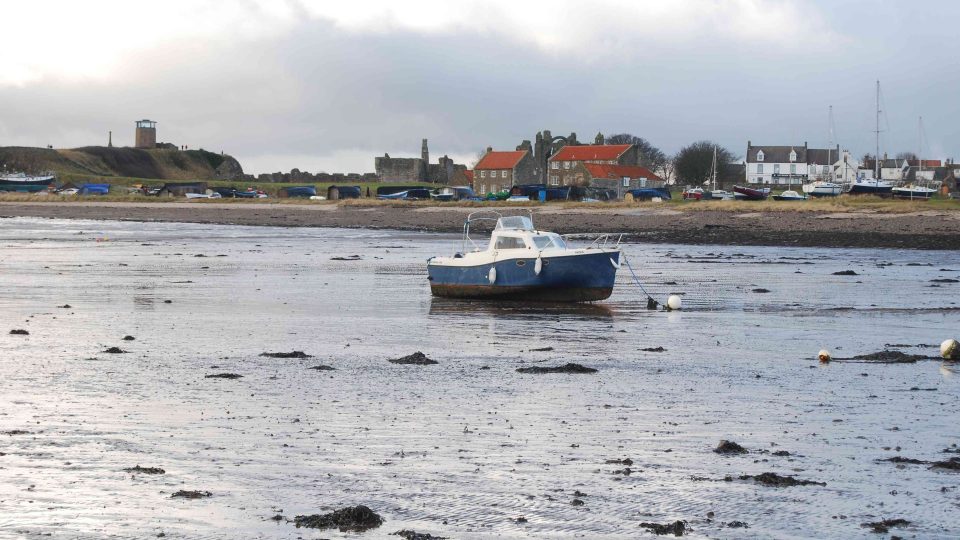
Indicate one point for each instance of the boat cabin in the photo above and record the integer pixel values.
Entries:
(517, 232)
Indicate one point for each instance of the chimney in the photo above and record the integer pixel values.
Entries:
(424, 153)
(489, 149)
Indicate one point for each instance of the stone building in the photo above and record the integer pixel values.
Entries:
(606, 176)
(564, 166)
(420, 169)
(146, 134)
(544, 146)
(499, 171)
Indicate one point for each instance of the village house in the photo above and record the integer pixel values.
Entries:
(896, 170)
(788, 164)
(564, 166)
(624, 177)
(501, 170)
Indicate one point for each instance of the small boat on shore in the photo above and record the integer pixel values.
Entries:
(913, 192)
(523, 263)
(870, 186)
(822, 188)
(750, 194)
(789, 195)
(24, 183)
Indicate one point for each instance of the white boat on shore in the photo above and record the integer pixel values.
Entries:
(823, 189)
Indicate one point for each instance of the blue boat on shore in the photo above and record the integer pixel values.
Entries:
(523, 263)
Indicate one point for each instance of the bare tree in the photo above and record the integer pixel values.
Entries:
(693, 164)
(906, 155)
(651, 157)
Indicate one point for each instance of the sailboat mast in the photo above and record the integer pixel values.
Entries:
(714, 167)
(830, 144)
(877, 156)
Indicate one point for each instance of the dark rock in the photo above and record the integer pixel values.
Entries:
(322, 367)
(737, 525)
(775, 480)
(16, 432)
(414, 535)
(901, 459)
(291, 354)
(19, 332)
(889, 357)
(729, 447)
(415, 359)
(781, 453)
(952, 464)
(846, 273)
(224, 376)
(128, 338)
(352, 518)
(168, 301)
(65, 306)
(654, 349)
(115, 350)
(884, 526)
(945, 280)
(348, 258)
(761, 290)
(677, 528)
(184, 494)
(577, 502)
(624, 461)
(145, 470)
(566, 368)
(542, 349)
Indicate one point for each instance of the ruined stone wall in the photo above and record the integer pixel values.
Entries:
(390, 169)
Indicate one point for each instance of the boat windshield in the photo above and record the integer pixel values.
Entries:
(544, 242)
(515, 223)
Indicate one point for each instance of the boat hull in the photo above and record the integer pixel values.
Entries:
(913, 194)
(750, 194)
(582, 277)
(870, 188)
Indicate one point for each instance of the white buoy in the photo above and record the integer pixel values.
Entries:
(492, 276)
(674, 302)
(823, 356)
(538, 266)
(950, 350)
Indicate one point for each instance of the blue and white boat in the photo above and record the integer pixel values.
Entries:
(523, 263)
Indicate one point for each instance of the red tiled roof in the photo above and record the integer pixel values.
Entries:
(499, 160)
(619, 171)
(590, 152)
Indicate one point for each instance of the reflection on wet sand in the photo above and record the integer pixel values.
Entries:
(520, 310)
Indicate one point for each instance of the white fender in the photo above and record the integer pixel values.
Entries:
(615, 263)
(492, 276)
(538, 266)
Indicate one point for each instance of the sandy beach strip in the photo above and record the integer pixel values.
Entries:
(916, 230)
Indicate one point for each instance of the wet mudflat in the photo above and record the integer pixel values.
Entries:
(468, 447)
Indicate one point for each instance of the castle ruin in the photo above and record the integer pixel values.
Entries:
(419, 169)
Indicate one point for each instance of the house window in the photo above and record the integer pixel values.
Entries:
(760, 155)
(503, 174)
(554, 165)
(793, 167)
(554, 180)
(793, 155)
(483, 189)
(483, 174)
(776, 168)
(759, 168)
(566, 164)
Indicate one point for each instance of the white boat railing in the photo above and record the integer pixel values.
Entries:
(600, 240)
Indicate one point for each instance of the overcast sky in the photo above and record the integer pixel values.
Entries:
(326, 86)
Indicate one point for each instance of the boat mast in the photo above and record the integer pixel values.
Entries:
(714, 166)
(830, 144)
(877, 156)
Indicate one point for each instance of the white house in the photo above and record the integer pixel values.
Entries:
(788, 164)
(845, 169)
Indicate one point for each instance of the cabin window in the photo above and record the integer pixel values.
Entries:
(508, 242)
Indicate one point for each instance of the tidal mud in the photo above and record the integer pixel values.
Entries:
(566, 368)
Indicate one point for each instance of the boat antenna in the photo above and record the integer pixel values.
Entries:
(876, 157)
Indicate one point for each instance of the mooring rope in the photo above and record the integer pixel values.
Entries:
(651, 303)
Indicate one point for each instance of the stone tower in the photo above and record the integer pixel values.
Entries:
(146, 134)
(110, 140)
(424, 153)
